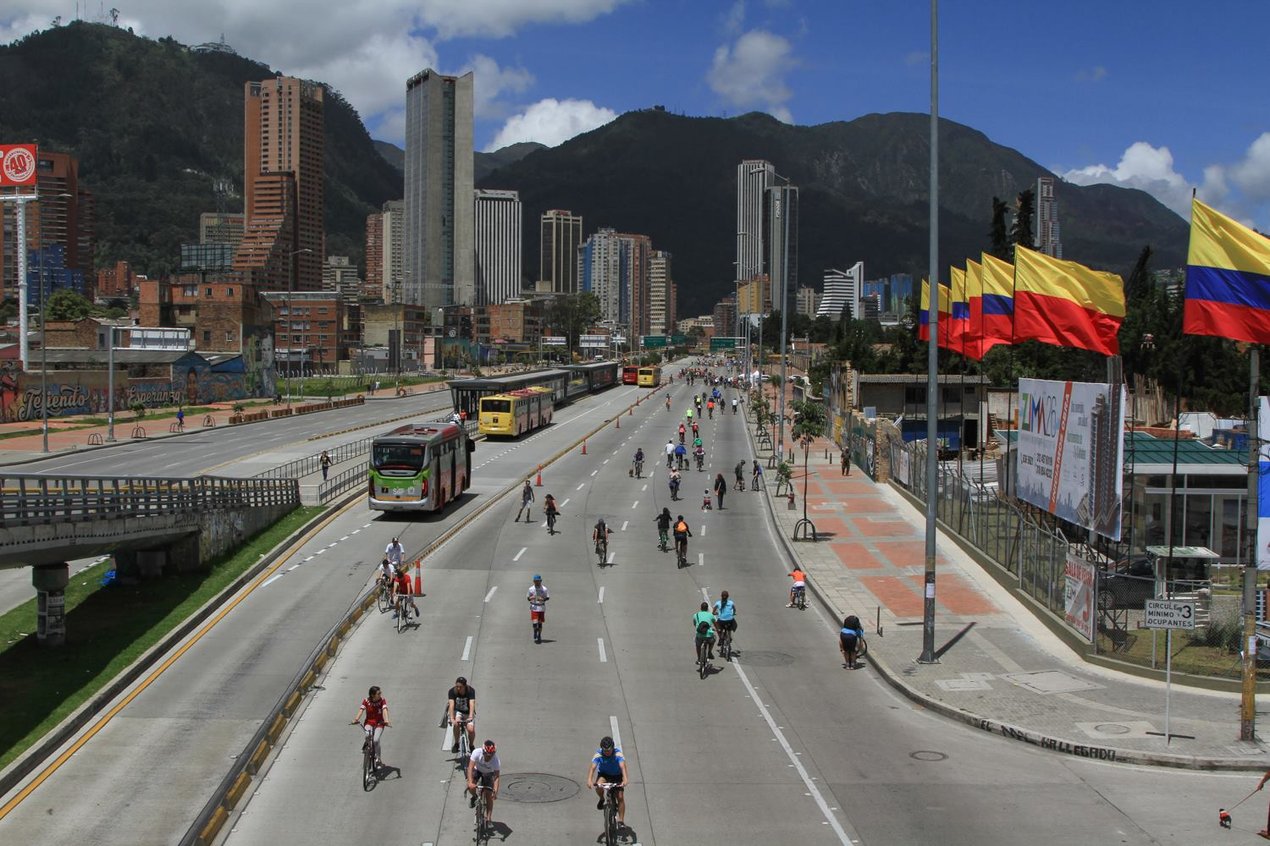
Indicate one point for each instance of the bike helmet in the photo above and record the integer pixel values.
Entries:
(489, 747)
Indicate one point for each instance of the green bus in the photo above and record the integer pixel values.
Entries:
(420, 467)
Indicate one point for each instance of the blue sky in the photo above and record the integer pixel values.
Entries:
(1163, 96)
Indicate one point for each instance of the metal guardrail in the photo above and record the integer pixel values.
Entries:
(30, 500)
(309, 464)
(350, 478)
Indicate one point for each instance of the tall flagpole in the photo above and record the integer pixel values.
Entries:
(932, 355)
(1248, 699)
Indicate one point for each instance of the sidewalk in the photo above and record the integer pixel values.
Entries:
(999, 668)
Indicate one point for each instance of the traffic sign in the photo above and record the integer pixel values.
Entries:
(554, 341)
(1169, 614)
(678, 340)
(723, 343)
(651, 341)
(594, 341)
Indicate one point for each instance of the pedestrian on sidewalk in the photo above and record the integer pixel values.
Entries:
(526, 500)
(325, 461)
(720, 488)
(845, 458)
(849, 641)
(1266, 831)
(180, 418)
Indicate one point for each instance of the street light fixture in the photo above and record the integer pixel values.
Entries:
(290, 322)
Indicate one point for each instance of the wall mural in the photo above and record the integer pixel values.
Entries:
(87, 392)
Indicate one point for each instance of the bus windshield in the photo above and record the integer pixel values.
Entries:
(497, 406)
(398, 456)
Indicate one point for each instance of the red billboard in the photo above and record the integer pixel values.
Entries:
(17, 165)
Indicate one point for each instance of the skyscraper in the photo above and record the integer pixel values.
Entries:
(283, 190)
(842, 288)
(61, 222)
(752, 178)
(661, 297)
(1047, 237)
(394, 247)
(600, 271)
(780, 228)
(439, 240)
(558, 260)
(498, 243)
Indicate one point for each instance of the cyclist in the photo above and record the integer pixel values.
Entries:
(461, 711)
(485, 766)
(756, 480)
(386, 573)
(638, 461)
(375, 707)
(673, 484)
(670, 453)
(699, 453)
(734, 404)
(551, 511)
(710, 408)
(608, 765)
(663, 521)
(394, 552)
(688, 414)
(682, 430)
(526, 499)
(725, 613)
(681, 454)
(740, 475)
(799, 585)
(707, 504)
(849, 640)
(600, 536)
(538, 597)
(682, 533)
(696, 429)
(403, 590)
(696, 400)
(668, 400)
(703, 630)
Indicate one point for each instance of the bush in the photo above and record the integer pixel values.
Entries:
(1224, 634)
(138, 409)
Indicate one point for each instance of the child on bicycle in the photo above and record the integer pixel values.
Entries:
(798, 587)
(551, 511)
(707, 504)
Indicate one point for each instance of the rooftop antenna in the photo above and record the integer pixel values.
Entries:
(114, 17)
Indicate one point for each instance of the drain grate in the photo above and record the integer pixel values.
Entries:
(1050, 681)
(537, 787)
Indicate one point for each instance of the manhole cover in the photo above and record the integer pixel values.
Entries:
(1051, 681)
(927, 755)
(537, 787)
(760, 658)
(1112, 728)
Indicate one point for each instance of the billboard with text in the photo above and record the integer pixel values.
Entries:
(17, 165)
(1071, 451)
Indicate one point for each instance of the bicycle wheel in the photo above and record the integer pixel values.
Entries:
(482, 824)
(702, 661)
(384, 601)
(862, 648)
(401, 615)
(725, 645)
(610, 819)
(368, 765)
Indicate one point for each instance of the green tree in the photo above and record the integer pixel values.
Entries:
(809, 421)
(998, 236)
(65, 304)
(572, 314)
(1021, 231)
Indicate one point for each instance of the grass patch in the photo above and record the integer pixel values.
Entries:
(1205, 655)
(107, 628)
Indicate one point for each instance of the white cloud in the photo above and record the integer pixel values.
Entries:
(751, 72)
(734, 18)
(1095, 74)
(1241, 189)
(501, 18)
(552, 122)
(490, 82)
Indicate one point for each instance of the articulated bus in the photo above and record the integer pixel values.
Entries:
(630, 375)
(514, 413)
(649, 377)
(420, 467)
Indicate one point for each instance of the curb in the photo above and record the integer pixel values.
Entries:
(1007, 730)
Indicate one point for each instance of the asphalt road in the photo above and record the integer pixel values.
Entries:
(780, 746)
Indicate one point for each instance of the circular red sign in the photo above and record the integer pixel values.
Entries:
(19, 165)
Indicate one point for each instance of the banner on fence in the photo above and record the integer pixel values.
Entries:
(1079, 597)
(900, 458)
(1071, 451)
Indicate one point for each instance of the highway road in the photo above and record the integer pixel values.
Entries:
(781, 745)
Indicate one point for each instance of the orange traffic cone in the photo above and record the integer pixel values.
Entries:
(538, 483)
(418, 578)
(584, 447)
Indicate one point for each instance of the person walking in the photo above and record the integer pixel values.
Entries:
(849, 641)
(538, 596)
(720, 488)
(180, 418)
(526, 500)
(846, 463)
(325, 461)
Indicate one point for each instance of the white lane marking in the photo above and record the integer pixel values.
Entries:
(580, 487)
(703, 528)
(612, 555)
(355, 531)
(292, 567)
(566, 502)
(701, 559)
(644, 488)
(271, 580)
(516, 557)
(467, 649)
(616, 451)
(635, 504)
(310, 558)
(614, 733)
(605, 461)
(320, 551)
(366, 525)
(344, 538)
(447, 733)
(600, 601)
(831, 820)
(625, 523)
(490, 595)
(705, 595)
(604, 659)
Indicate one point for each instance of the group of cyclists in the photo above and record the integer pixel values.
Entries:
(394, 576)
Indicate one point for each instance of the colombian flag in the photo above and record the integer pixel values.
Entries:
(997, 313)
(971, 340)
(1066, 304)
(1227, 279)
(952, 334)
(923, 316)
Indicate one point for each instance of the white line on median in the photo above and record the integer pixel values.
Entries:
(600, 601)
(604, 659)
(467, 649)
(271, 580)
(489, 595)
(516, 557)
(789, 752)
(580, 487)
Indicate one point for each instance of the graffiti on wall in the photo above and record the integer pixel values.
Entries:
(88, 392)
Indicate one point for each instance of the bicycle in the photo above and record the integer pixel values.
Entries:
(403, 611)
(800, 597)
(639, 469)
(370, 772)
(482, 821)
(663, 540)
(701, 461)
(384, 600)
(681, 552)
(551, 522)
(703, 657)
(602, 550)
(611, 828)
(465, 745)
(725, 643)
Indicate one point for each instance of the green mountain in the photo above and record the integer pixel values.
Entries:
(157, 127)
(484, 164)
(863, 195)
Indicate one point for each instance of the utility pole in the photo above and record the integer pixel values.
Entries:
(932, 355)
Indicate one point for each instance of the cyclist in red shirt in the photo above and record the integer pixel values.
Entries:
(401, 586)
(375, 707)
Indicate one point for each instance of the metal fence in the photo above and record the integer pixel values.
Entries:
(30, 499)
(301, 467)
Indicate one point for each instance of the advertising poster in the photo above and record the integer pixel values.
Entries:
(1071, 451)
(1079, 595)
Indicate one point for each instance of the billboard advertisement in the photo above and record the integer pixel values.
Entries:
(17, 165)
(1071, 451)
(594, 342)
(1078, 601)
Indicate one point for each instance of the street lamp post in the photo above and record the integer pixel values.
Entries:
(44, 346)
(290, 322)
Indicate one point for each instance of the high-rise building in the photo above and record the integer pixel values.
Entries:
(558, 261)
(1047, 237)
(62, 221)
(725, 314)
(842, 288)
(753, 176)
(755, 295)
(393, 257)
(499, 223)
(339, 276)
(807, 300)
(661, 297)
(375, 253)
(780, 228)
(600, 271)
(220, 228)
(439, 251)
(637, 257)
(284, 242)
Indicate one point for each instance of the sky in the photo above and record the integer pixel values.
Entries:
(1166, 96)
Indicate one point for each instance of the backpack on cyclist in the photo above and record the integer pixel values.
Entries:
(703, 629)
(681, 528)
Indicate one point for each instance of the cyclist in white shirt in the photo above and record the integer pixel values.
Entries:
(394, 553)
(484, 766)
(670, 453)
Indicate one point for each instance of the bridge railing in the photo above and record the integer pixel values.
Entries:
(310, 464)
(30, 499)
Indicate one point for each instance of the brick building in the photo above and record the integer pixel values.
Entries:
(64, 216)
(516, 321)
(222, 314)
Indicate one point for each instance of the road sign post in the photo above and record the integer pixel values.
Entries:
(1169, 614)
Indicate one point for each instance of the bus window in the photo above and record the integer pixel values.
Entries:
(496, 406)
(405, 456)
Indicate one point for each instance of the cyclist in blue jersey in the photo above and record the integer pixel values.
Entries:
(725, 613)
(609, 766)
